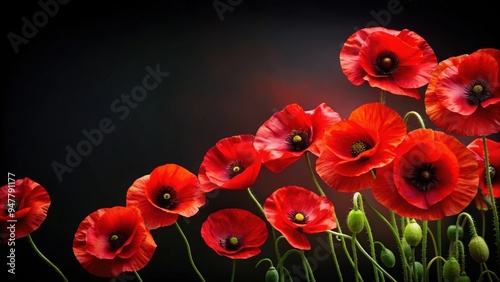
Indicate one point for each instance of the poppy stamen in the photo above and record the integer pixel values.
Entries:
(235, 168)
(386, 63)
(493, 173)
(423, 177)
(167, 198)
(359, 147)
(116, 240)
(231, 243)
(298, 140)
(299, 217)
(477, 92)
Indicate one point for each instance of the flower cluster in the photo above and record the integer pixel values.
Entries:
(419, 175)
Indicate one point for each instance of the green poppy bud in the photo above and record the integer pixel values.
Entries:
(406, 249)
(463, 278)
(419, 269)
(413, 233)
(451, 270)
(478, 249)
(387, 257)
(452, 230)
(356, 221)
(272, 275)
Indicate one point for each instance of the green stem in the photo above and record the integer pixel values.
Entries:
(189, 252)
(424, 245)
(30, 240)
(415, 114)
(354, 254)
(370, 237)
(428, 267)
(492, 198)
(233, 272)
(439, 265)
(335, 260)
(138, 276)
(313, 176)
(307, 267)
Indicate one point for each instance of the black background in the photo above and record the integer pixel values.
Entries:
(227, 77)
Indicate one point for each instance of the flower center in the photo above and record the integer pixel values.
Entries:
(10, 205)
(477, 92)
(298, 140)
(386, 63)
(231, 243)
(298, 217)
(359, 147)
(423, 177)
(167, 198)
(116, 240)
(235, 168)
(493, 173)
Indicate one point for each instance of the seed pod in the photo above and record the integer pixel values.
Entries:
(452, 230)
(387, 257)
(356, 221)
(272, 275)
(413, 233)
(463, 278)
(451, 270)
(478, 249)
(406, 249)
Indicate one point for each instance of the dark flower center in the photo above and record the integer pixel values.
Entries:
(117, 239)
(477, 92)
(359, 147)
(386, 63)
(11, 204)
(423, 177)
(298, 217)
(493, 174)
(167, 198)
(231, 243)
(298, 140)
(235, 168)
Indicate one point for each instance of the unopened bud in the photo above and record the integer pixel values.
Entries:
(451, 270)
(387, 257)
(419, 269)
(478, 249)
(413, 233)
(356, 221)
(272, 275)
(452, 230)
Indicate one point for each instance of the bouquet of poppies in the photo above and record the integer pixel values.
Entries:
(420, 176)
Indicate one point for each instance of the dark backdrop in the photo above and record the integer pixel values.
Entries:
(227, 74)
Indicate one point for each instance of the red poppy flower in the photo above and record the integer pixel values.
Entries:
(234, 233)
(169, 191)
(25, 204)
(432, 176)
(354, 147)
(113, 240)
(233, 163)
(493, 147)
(288, 134)
(392, 60)
(463, 96)
(294, 210)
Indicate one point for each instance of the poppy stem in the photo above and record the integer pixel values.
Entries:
(189, 252)
(30, 240)
(311, 171)
(492, 197)
(233, 273)
(425, 231)
(138, 276)
(369, 233)
(415, 114)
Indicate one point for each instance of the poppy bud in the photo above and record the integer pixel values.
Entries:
(451, 270)
(272, 275)
(452, 230)
(478, 249)
(406, 249)
(419, 269)
(413, 233)
(356, 221)
(463, 278)
(387, 257)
